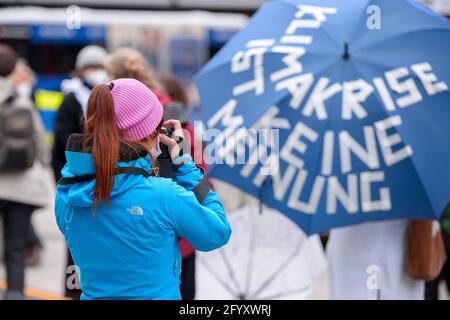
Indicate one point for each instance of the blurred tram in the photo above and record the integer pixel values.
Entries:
(178, 42)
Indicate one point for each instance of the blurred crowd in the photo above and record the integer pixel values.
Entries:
(23, 188)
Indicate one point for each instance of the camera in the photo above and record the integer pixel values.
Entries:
(164, 160)
(166, 131)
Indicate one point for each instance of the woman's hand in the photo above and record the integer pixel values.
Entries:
(171, 143)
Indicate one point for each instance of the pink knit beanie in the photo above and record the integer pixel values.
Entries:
(138, 111)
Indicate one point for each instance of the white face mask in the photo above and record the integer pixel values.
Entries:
(155, 151)
(96, 77)
(25, 89)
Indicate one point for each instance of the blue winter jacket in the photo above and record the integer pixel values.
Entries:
(130, 249)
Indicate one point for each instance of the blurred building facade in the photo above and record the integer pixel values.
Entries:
(216, 5)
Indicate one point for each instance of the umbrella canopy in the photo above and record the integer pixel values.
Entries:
(268, 257)
(334, 112)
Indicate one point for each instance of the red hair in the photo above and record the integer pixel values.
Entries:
(100, 124)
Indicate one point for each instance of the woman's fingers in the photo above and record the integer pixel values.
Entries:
(172, 123)
(174, 149)
(166, 140)
(176, 144)
(176, 125)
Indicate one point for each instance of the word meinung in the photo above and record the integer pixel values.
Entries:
(359, 187)
(357, 195)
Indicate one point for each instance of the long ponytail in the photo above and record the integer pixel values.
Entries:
(101, 126)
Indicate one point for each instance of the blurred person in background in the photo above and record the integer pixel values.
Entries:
(90, 72)
(23, 80)
(175, 89)
(23, 187)
(130, 63)
(177, 110)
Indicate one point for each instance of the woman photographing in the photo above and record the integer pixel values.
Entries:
(121, 221)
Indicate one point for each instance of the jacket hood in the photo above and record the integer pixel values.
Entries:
(79, 88)
(6, 89)
(80, 162)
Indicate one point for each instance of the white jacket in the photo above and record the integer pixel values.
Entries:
(30, 186)
(368, 256)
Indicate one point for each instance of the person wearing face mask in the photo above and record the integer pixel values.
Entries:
(121, 221)
(23, 79)
(23, 159)
(89, 73)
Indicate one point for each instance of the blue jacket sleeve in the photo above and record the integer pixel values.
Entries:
(204, 225)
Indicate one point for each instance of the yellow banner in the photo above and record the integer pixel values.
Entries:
(48, 100)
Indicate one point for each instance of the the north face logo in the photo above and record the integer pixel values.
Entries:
(136, 211)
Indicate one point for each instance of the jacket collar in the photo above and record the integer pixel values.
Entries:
(83, 143)
(80, 161)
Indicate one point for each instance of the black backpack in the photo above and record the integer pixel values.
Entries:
(17, 144)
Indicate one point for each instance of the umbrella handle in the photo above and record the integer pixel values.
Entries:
(346, 54)
(266, 180)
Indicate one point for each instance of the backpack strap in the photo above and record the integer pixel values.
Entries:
(89, 177)
(201, 190)
(10, 100)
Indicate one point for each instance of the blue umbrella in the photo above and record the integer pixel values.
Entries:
(334, 112)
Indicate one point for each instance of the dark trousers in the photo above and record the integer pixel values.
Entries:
(431, 288)
(16, 220)
(32, 240)
(187, 288)
(74, 293)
